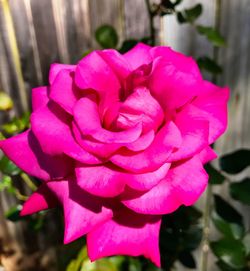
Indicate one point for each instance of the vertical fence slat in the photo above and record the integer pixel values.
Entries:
(37, 61)
(59, 12)
(14, 52)
(136, 19)
(45, 30)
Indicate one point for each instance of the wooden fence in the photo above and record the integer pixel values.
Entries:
(36, 33)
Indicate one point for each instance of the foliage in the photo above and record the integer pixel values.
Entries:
(181, 231)
(232, 250)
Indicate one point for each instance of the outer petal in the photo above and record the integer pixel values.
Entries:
(24, 150)
(127, 234)
(178, 86)
(179, 60)
(207, 155)
(194, 133)
(212, 103)
(109, 181)
(51, 127)
(167, 139)
(88, 120)
(82, 211)
(40, 200)
(139, 55)
(39, 97)
(63, 91)
(56, 68)
(183, 184)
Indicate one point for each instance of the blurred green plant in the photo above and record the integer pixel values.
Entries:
(5, 101)
(232, 249)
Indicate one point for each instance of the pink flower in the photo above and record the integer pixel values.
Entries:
(120, 140)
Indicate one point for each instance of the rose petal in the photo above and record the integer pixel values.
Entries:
(63, 91)
(109, 181)
(106, 150)
(116, 62)
(167, 139)
(180, 61)
(177, 88)
(194, 134)
(183, 184)
(212, 103)
(40, 200)
(24, 150)
(139, 55)
(39, 97)
(143, 142)
(107, 85)
(127, 234)
(82, 211)
(140, 106)
(207, 155)
(55, 68)
(88, 121)
(50, 125)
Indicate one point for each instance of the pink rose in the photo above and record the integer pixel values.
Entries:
(120, 140)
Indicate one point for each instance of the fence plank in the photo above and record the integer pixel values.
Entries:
(136, 19)
(13, 55)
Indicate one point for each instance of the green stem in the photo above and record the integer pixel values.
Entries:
(20, 196)
(151, 22)
(206, 229)
(207, 212)
(28, 181)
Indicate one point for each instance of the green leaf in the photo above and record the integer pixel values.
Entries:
(76, 264)
(230, 251)
(231, 230)
(192, 238)
(127, 45)
(87, 53)
(134, 265)
(187, 259)
(224, 267)
(177, 2)
(13, 214)
(193, 13)
(226, 211)
(2, 136)
(181, 17)
(241, 191)
(5, 183)
(208, 64)
(215, 177)
(170, 4)
(212, 35)
(235, 162)
(106, 36)
(6, 102)
(8, 167)
(246, 242)
(100, 265)
(17, 124)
